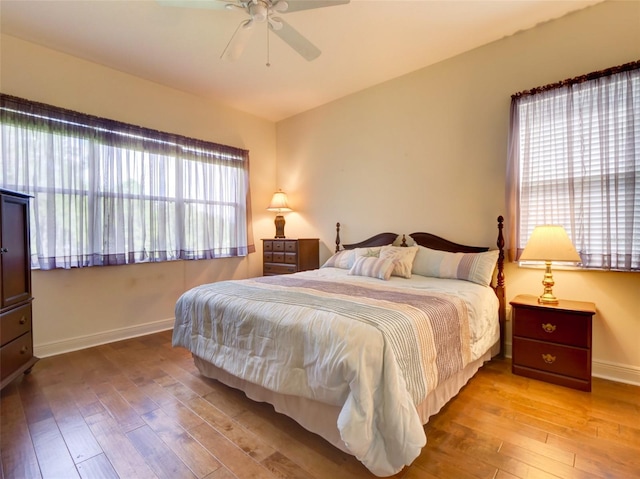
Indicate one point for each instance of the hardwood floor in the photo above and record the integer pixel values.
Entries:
(139, 409)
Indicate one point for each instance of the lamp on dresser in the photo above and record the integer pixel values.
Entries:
(279, 204)
(549, 243)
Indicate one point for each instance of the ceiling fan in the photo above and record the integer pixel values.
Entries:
(262, 11)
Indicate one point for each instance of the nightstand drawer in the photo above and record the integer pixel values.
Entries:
(290, 258)
(278, 268)
(554, 358)
(278, 245)
(291, 246)
(278, 257)
(555, 326)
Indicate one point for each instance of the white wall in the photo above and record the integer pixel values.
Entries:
(80, 307)
(427, 151)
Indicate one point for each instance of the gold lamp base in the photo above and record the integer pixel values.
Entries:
(547, 296)
(279, 222)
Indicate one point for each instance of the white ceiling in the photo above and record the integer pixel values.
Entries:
(363, 43)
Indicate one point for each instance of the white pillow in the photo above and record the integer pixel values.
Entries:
(372, 267)
(342, 259)
(474, 267)
(402, 257)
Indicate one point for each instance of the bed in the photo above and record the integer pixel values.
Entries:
(363, 350)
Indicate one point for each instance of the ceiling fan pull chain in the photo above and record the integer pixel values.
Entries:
(268, 53)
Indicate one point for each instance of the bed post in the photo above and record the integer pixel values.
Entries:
(337, 237)
(500, 289)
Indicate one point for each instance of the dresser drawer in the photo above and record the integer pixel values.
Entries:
(286, 256)
(15, 323)
(291, 258)
(291, 246)
(556, 326)
(553, 358)
(278, 268)
(15, 354)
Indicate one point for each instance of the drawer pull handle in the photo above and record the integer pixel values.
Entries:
(23, 320)
(549, 328)
(24, 350)
(548, 358)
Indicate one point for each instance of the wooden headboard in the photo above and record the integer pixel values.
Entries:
(431, 241)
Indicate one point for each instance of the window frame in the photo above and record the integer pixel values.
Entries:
(579, 183)
(193, 161)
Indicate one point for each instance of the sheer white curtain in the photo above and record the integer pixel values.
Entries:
(110, 193)
(574, 160)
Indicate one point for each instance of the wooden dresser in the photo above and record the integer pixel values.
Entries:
(16, 352)
(286, 256)
(553, 342)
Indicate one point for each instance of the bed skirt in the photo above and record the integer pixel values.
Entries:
(321, 418)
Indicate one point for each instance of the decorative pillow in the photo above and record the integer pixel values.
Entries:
(342, 259)
(373, 252)
(372, 267)
(474, 267)
(402, 257)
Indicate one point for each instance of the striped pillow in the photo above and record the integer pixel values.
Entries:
(372, 267)
(342, 259)
(474, 267)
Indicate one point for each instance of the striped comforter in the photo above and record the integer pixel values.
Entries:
(373, 350)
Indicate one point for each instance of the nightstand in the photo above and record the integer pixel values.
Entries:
(286, 256)
(552, 343)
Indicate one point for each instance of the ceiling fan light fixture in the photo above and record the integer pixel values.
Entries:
(259, 12)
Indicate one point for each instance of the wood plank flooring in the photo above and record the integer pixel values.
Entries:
(139, 409)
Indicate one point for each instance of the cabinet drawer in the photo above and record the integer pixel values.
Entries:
(267, 257)
(15, 323)
(278, 245)
(268, 245)
(556, 326)
(273, 268)
(15, 354)
(278, 257)
(554, 358)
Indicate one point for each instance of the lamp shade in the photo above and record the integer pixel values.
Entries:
(279, 202)
(550, 243)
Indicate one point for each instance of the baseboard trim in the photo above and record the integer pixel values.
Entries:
(621, 373)
(82, 342)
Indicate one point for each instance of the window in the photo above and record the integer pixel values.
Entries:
(109, 193)
(574, 160)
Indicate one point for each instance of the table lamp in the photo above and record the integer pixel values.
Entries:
(279, 204)
(549, 243)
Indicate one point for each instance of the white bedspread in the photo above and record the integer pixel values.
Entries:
(375, 356)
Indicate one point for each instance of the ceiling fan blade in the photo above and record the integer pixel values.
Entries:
(296, 41)
(209, 4)
(296, 5)
(238, 41)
